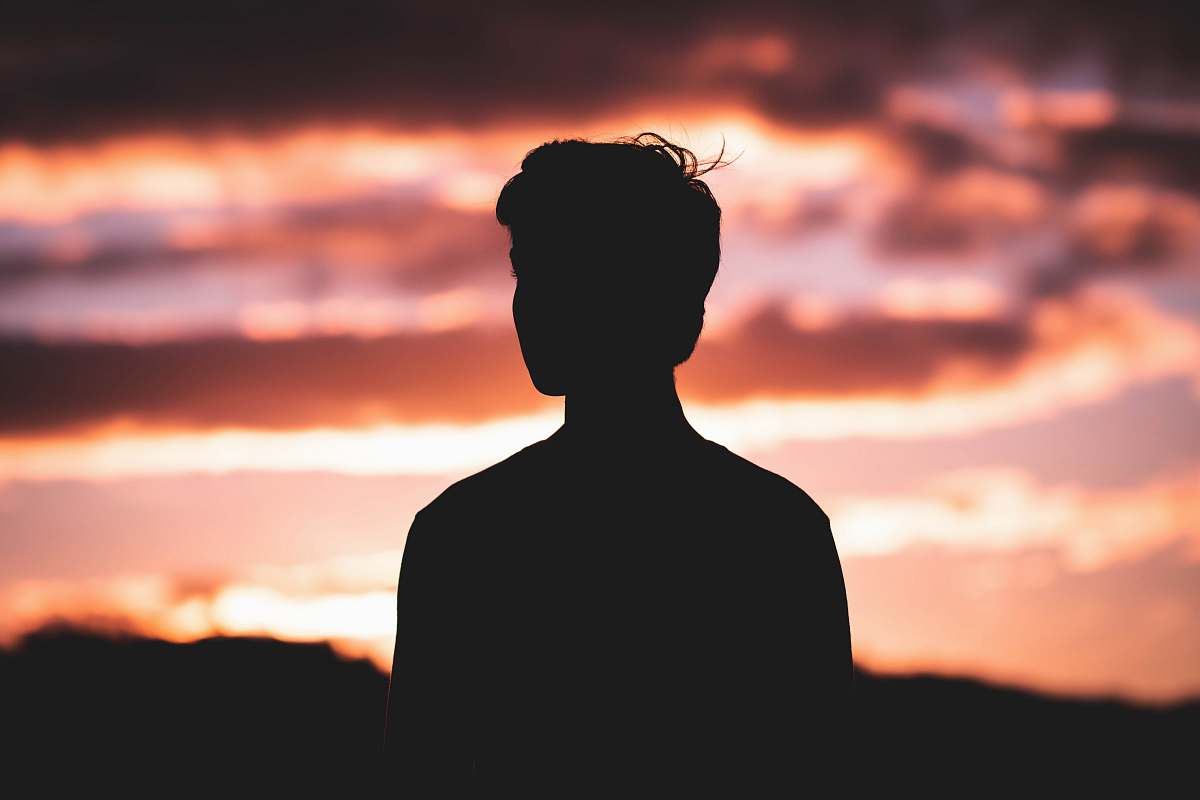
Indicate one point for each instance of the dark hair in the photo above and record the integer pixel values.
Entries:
(636, 203)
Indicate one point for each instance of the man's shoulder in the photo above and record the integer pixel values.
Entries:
(479, 489)
(762, 485)
(734, 476)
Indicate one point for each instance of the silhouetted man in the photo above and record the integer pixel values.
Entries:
(626, 606)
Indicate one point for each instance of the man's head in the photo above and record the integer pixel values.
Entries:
(614, 247)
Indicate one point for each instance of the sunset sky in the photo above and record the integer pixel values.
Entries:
(255, 308)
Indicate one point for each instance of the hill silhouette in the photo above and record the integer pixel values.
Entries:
(141, 706)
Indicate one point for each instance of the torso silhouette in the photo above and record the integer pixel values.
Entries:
(582, 616)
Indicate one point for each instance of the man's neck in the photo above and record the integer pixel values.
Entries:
(629, 411)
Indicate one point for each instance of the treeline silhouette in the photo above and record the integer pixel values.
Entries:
(70, 698)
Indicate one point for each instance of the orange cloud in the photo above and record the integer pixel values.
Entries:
(335, 402)
(270, 384)
(1003, 509)
(47, 185)
(1104, 338)
(1134, 225)
(968, 211)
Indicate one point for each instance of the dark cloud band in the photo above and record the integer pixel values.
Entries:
(75, 71)
(460, 376)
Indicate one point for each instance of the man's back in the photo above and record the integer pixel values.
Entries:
(582, 614)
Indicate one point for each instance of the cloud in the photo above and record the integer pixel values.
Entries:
(911, 356)
(330, 404)
(1022, 616)
(219, 65)
(1003, 509)
(360, 622)
(476, 374)
(768, 355)
(1120, 227)
(934, 149)
(195, 526)
(1134, 226)
(417, 243)
(1139, 153)
(962, 213)
(459, 375)
(74, 73)
(1073, 226)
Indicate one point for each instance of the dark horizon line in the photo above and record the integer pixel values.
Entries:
(64, 629)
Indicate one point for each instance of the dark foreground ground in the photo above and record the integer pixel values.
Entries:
(110, 711)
